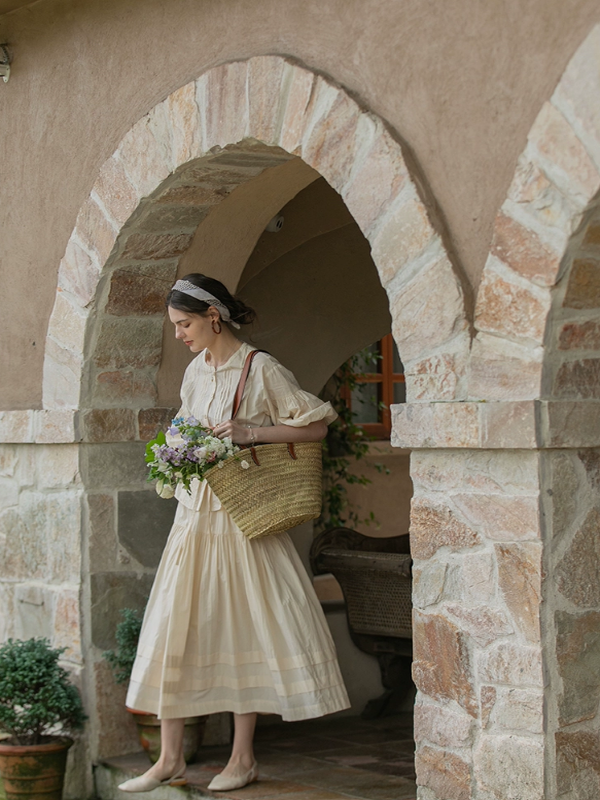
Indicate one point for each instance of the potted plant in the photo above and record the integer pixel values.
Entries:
(39, 709)
(121, 660)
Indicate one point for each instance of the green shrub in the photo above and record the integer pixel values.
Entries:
(36, 693)
(127, 635)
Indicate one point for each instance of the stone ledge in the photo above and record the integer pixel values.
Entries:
(502, 425)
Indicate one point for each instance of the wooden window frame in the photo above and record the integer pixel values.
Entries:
(385, 378)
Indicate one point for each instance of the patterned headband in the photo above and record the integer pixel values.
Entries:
(195, 291)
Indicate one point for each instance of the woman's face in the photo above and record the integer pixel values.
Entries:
(194, 329)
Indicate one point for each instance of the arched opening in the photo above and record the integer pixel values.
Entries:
(197, 180)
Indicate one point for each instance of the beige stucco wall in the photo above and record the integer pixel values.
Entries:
(461, 86)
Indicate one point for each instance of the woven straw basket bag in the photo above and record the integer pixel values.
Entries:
(271, 487)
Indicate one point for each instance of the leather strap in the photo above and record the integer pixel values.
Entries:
(239, 392)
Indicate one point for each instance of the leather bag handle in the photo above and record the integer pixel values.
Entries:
(239, 392)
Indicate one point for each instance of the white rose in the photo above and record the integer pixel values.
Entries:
(164, 490)
(245, 465)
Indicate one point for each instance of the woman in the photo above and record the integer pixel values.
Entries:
(232, 624)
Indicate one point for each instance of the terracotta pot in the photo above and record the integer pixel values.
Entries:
(148, 726)
(34, 772)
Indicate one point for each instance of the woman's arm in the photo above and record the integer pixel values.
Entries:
(240, 434)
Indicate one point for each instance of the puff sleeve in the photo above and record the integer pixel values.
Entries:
(287, 403)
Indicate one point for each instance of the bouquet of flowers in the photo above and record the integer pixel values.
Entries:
(192, 454)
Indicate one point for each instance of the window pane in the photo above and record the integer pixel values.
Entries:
(364, 403)
(398, 366)
(399, 393)
(367, 360)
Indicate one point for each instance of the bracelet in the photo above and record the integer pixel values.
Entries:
(252, 436)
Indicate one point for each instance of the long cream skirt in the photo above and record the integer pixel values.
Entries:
(233, 624)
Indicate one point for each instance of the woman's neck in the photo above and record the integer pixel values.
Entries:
(222, 348)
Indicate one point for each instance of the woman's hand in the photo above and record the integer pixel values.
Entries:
(239, 434)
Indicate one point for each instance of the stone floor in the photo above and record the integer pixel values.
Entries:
(315, 760)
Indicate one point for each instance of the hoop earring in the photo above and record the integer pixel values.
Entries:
(218, 329)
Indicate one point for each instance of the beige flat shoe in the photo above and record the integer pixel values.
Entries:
(145, 783)
(226, 783)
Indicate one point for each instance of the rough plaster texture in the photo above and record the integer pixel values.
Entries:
(84, 72)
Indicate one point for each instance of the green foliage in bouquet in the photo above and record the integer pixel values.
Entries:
(346, 443)
(191, 452)
(37, 698)
(127, 634)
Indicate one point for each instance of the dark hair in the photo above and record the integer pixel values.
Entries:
(239, 311)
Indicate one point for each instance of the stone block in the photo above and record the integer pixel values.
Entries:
(536, 200)
(299, 94)
(78, 274)
(123, 387)
(565, 155)
(445, 773)
(68, 322)
(160, 217)
(94, 230)
(477, 577)
(580, 336)
(7, 612)
(518, 710)
(520, 581)
(578, 380)
(583, 288)
(111, 592)
(578, 656)
(62, 376)
(153, 420)
(591, 237)
(524, 252)
(435, 378)
(34, 611)
(198, 197)
(144, 522)
(402, 235)
(265, 91)
(102, 540)
(482, 623)
(509, 425)
(433, 526)
(591, 463)
(116, 728)
(578, 764)
(185, 124)
(147, 158)
(435, 425)
(565, 485)
(129, 342)
(442, 726)
(120, 465)
(57, 466)
(221, 96)
(427, 311)
(441, 662)
(62, 529)
(510, 767)
(109, 425)
(140, 291)
(154, 246)
(487, 699)
(508, 306)
(23, 546)
(9, 460)
(377, 179)
(570, 423)
(510, 663)
(504, 370)
(115, 191)
(332, 136)
(580, 82)
(428, 583)
(67, 629)
(577, 574)
(501, 518)
(56, 426)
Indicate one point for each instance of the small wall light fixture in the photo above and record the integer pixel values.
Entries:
(4, 63)
(276, 224)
